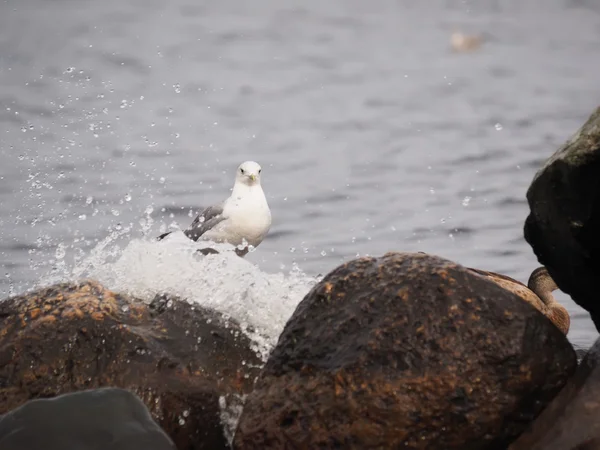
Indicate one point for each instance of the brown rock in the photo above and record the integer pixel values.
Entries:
(406, 351)
(178, 358)
(538, 293)
(571, 421)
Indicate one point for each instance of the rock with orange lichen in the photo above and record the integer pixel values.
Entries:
(406, 351)
(178, 358)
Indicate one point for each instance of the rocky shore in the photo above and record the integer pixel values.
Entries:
(179, 359)
(406, 350)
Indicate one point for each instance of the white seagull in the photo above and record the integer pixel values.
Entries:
(243, 220)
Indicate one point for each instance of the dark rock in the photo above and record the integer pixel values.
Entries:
(406, 351)
(580, 352)
(571, 421)
(563, 225)
(178, 358)
(107, 419)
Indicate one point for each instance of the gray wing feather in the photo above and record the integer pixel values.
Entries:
(212, 216)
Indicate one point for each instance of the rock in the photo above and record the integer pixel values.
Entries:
(178, 358)
(107, 419)
(562, 227)
(570, 422)
(406, 351)
(537, 293)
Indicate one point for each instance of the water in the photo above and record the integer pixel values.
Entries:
(120, 118)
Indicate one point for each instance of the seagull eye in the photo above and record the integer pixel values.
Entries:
(242, 170)
(259, 170)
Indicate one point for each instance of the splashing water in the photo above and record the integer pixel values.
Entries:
(261, 302)
(231, 408)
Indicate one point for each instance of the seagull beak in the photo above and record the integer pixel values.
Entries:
(253, 177)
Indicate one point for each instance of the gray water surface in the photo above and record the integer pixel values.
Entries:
(373, 135)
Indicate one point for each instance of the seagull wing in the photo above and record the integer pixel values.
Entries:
(203, 222)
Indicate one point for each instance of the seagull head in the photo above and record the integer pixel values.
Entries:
(248, 173)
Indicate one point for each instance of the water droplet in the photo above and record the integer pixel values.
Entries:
(498, 127)
(431, 190)
(323, 253)
(89, 200)
(466, 201)
(186, 413)
(292, 249)
(125, 308)
(161, 180)
(82, 217)
(115, 212)
(181, 422)
(60, 252)
(127, 197)
(177, 88)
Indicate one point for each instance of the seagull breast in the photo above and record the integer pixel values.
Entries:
(249, 217)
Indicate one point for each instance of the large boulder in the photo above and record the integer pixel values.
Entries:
(180, 359)
(107, 419)
(406, 351)
(571, 421)
(562, 227)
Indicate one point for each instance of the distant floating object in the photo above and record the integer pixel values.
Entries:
(461, 42)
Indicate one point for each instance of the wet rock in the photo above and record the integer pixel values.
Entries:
(562, 227)
(571, 421)
(107, 419)
(537, 293)
(406, 351)
(178, 358)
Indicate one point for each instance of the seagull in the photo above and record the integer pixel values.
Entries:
(243, 220)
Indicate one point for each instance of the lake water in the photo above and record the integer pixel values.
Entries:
(119, 118)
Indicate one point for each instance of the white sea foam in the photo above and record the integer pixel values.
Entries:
(142, 267)
(261, 302)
